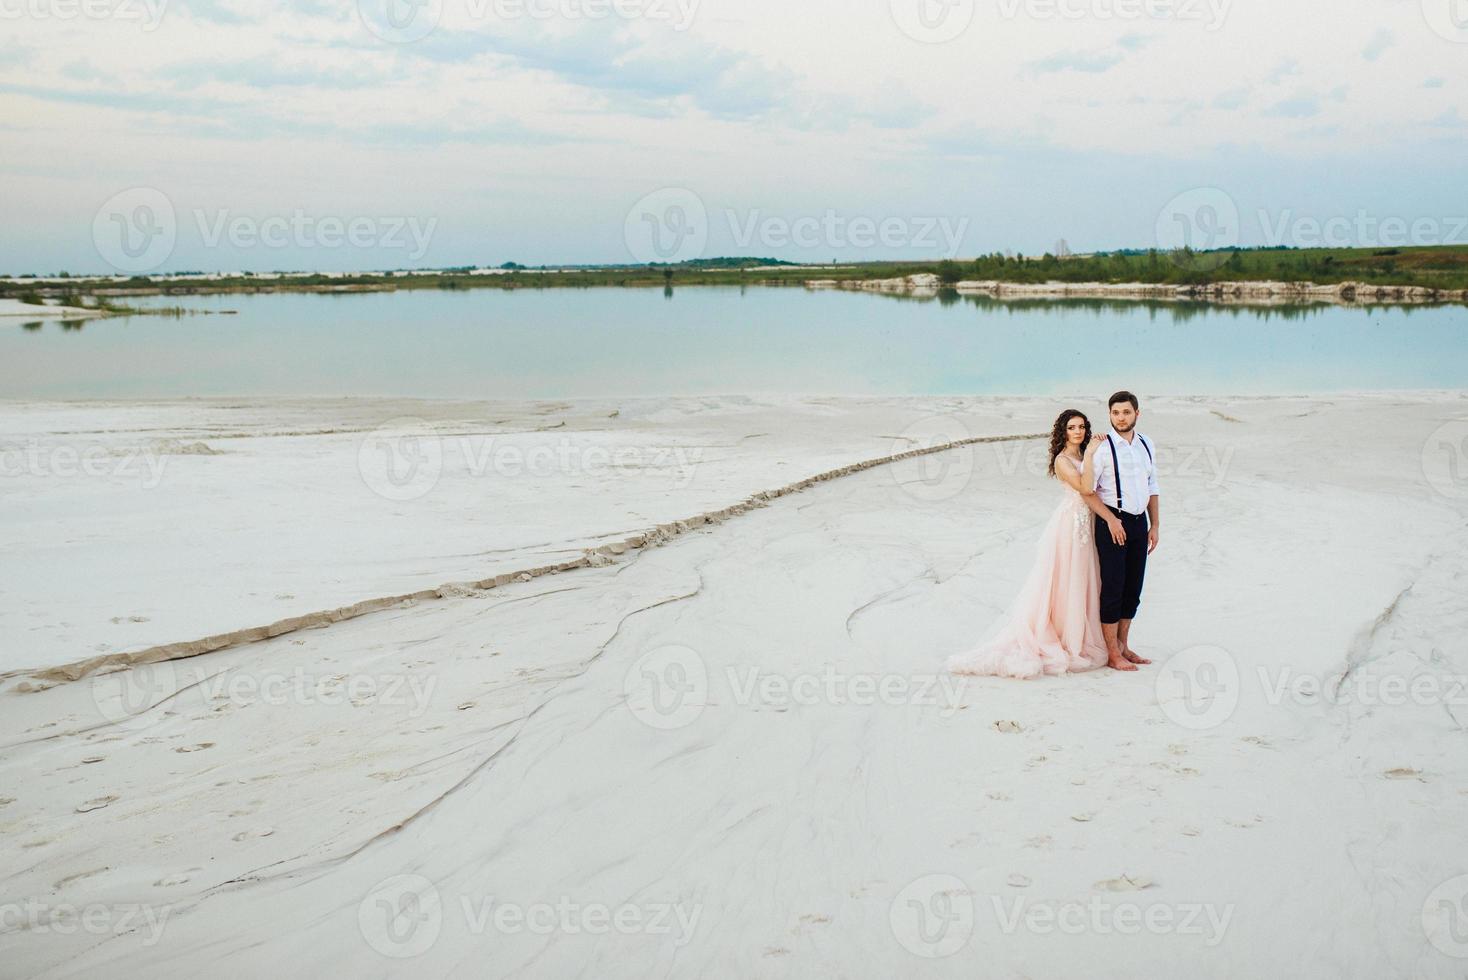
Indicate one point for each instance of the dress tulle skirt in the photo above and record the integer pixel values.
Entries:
(1053, 626)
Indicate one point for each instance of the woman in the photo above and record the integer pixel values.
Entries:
(1054, 624)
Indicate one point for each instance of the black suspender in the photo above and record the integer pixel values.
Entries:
(1116, 463)
(1115, 469)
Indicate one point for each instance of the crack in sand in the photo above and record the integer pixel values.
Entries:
(483, 766)
(927, 574)
(128, 720)
(1359, 653)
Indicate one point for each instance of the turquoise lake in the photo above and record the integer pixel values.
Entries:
(563, 343)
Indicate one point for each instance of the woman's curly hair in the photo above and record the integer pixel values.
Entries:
(1057, 434)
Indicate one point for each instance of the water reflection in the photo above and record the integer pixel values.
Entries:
(1181, 311)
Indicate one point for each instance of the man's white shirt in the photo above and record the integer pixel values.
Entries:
(1138, 462)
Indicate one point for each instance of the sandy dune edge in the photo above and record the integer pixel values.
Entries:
(591, 557)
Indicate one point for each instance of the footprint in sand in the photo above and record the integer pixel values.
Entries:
(180, 878)
(1010, 727)
(96, 804)
(89, 760)
(1082, 817)
(1126, 883)
(1018, 881)
(78, 877)
(200, 747)
(129, 619)
(6, 800)
(809, 920)
(1404, 774)
(1245, 824)
(245, 835)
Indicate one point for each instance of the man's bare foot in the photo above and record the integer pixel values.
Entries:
(1120, 663)
(1135, 657)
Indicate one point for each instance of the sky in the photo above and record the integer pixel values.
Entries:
(170, 135)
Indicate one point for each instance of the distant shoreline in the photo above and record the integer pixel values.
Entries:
(1262, 292)
(1252, 292)
(1417, 276)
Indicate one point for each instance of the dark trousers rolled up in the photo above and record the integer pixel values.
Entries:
(1123, 566)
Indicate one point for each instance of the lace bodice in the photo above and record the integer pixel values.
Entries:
(1080, 516)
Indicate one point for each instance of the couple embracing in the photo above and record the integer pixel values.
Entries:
(1075, 610)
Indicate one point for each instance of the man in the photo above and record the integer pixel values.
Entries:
(1124, 500)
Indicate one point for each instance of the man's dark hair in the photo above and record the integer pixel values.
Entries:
(1124, 396)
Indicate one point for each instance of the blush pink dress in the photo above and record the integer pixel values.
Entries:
(1054, 625)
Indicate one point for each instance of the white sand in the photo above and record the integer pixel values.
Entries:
(132, 525)
(577, 745)
(14, 307)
